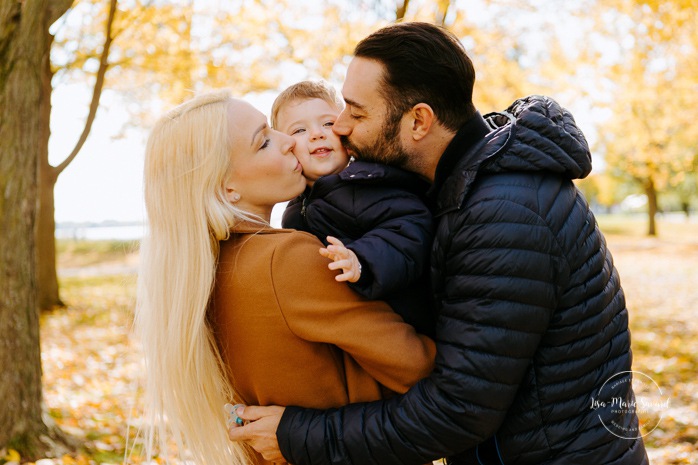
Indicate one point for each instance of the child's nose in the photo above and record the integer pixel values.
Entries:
(317, 134)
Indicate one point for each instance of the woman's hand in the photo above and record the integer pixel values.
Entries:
(342, 258)
(260, 432)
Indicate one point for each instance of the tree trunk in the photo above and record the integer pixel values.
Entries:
(686, 209)
(24, 50)
(46, 276)
(651, 193)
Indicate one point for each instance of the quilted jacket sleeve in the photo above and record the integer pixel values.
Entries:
(499, 275)
(395, 248)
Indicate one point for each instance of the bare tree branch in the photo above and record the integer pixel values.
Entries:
(97, 92)
(442, 11)
(401, 10)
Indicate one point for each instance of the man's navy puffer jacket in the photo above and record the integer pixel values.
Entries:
(532, 319)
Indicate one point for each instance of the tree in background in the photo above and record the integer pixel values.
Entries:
(652, 92)
(173, 50)
(688, 189)
(25, 44)
(47, 279)
(604, 191)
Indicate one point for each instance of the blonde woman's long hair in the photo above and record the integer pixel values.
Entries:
(186, 163)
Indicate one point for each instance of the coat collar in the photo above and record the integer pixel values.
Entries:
(246, 227)
(458, 165)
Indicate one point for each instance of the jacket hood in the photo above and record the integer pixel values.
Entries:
(536, 134)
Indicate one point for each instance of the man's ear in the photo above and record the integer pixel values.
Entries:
(422, 119)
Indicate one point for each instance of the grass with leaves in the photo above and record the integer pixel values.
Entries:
(92, 365)
(660, 279)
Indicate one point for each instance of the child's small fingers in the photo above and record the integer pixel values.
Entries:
(336, 254)
(334, 241)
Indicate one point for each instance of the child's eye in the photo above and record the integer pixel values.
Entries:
(297, 131)
(265, 144)
(329, 124)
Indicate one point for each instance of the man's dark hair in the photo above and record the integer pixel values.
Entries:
(424, 63)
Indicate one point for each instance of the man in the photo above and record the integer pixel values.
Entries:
(532, 321)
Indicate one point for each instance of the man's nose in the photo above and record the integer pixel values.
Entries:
(341, 126)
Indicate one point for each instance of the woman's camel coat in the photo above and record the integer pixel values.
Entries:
(292, 335)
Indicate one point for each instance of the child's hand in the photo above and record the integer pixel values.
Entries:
(342, 258)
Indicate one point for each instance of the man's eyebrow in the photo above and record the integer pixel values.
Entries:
(354, 104)
(254, 135)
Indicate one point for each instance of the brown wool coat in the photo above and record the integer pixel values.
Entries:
(292, 335)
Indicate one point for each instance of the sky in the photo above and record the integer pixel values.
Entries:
(104, 182)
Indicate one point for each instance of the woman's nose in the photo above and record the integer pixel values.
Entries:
(288, 144)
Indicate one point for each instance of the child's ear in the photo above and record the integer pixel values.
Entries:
(422, 119)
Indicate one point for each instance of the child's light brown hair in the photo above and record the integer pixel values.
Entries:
(305, 90)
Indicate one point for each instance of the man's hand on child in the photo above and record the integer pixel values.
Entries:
(342, 258)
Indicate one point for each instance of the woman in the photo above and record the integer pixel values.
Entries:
(232, 310)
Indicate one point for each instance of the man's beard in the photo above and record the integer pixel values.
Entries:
(385, 149)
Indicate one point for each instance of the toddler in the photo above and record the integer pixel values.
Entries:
(371, 217)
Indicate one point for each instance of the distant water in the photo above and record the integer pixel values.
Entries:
(100, 232)
(115, 231)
